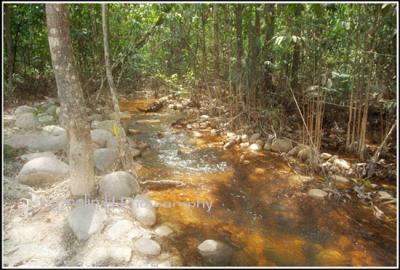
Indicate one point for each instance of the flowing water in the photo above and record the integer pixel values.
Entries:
(257, 208)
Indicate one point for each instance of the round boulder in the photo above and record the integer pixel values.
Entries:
(215, 252)
(118, 185)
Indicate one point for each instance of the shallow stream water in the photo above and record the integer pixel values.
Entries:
(256, 208)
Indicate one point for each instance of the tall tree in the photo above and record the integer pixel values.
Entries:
(71, 98)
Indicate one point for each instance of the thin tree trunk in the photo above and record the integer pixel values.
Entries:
(70, 93)
(10, 45)
(216, 40)
(125, 154)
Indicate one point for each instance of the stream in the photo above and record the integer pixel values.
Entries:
(268, 219)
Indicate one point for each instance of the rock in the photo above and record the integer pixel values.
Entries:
(43, 171)
(230, 134)
(215, 252)
(383, 195)
(52, 109)
(213, 132)
(305, 154)
(86, 220)
(135, 152)
(107, 255)
(299, 179)
(281, 145)
(38, 142)
(95, 117)
(143, 210)
(101, 137)
(339, 179)
(113, 142)
(229, 144)
(317, 193)
(244, 144)
(267, 146)
(325, 156)
(55, 130)
(118, 185)
(255, 147)
(244, 138)
(46, 119)
(147, 247)
(197, 134)
(133, 131)
(295, 150)
(270, 138)
(163, 230)
(254, 137)
(24, 109)
(204, 117)
(123, 230)
(26, 120)
(105, 158)
(28, 157)
(342, 164)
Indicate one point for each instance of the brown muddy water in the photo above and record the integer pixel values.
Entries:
(257, 208)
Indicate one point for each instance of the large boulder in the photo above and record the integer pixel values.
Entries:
(118, 185)
(143, 210)
(43, 171)
(281, 145)
(101, 137)
(27, 121)
(28, 157)
(38, 142)
(215, 252)
(86, 220)
(147, 247)
(105, 158)
(24, 109)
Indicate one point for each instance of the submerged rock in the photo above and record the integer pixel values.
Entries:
(43, 171)
(215, 252)
(86, 220)
(118, 185)
(147, 247)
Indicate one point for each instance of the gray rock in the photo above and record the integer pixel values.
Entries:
(113, 142)
(342, 164)
(254, 137)
(147, 247)
(24, 109)
(52, 109)
(27, 121)
(43, 171)
(281, 145)
(105, 158)
(255, 147)
(86, 220)
(325, 156)
(143, 210)
(38, 142)
(55, 130)
(106, 255)
(383, 195)
(46, 119)
(28, 157)
(215, 252)
(118, 185)
(267, 146)
(339, 179)
(101, 137)
(123, 230)
(163, 230)
(317, 193)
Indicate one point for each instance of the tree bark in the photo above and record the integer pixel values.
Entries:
(296, 51)
(70, 93)
(239, 40)
(125, 154)
(9, 44)
(216, 41)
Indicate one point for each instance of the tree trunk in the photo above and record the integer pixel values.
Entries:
(203, 44)
(296, 51)
(70, 93)
(239, 41)
(125, 154)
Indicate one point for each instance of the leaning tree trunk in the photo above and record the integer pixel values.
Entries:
(125, 154)
(70, 93)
